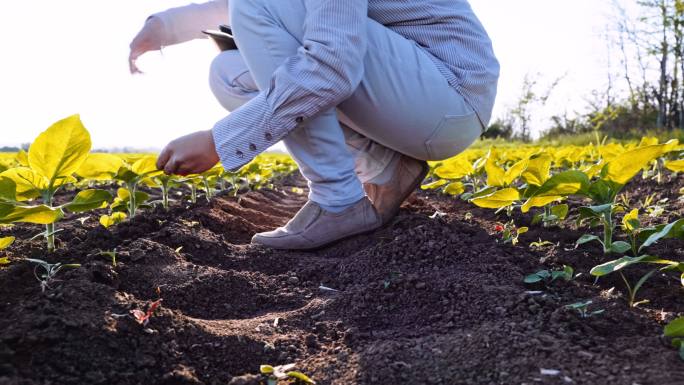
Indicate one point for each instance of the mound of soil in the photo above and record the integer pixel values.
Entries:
(432, 298)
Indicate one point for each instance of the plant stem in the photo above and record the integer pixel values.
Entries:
(193, 193)
(131, 199)
(50, 227)
(607, 231)
(165, 195)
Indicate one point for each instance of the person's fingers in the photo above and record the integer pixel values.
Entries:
(172, 166)
(163, 158)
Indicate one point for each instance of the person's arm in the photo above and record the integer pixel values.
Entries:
(186, 23)
(325, 71)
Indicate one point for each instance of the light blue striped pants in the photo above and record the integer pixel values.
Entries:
(403, 105)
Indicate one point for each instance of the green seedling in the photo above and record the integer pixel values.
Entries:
(541, 244)
(52, 160)
(583, 309)
(548, 276)
(109, 254)
(49, 271)
(640, 239)
(552, 215)
(674, 331)
(277, 373)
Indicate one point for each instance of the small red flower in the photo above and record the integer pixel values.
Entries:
(498, 228)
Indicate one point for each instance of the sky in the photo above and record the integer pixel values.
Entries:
(70, 56)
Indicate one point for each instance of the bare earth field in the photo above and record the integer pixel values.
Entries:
(429, 299)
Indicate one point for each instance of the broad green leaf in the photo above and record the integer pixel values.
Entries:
(454, 188)
(564, 184)
(672, 230)
(623, 167)
(89, 200)
(8, 189)
(630, 221)
(6, 242)
(619, 264)
(60, 150)
(498, 199)
(560, 211)
(100, 167)
(586, 238)
(538, 170)
(675, 328)
(620, 247)
(41, 214)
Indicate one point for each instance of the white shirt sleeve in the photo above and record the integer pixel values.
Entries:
(186, 23)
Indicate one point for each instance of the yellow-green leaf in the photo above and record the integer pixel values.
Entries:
(455, 168)
(28, 184)
(301, 377)
(454, 188)
(100, 167)
(623, 167)
(89, 200)
(60, 150)
(22, 158)
(6, 242)
(41, 215)
(498, 199)
(434, 185)
(110, 220)
(266, 369)
(630, 221)
(539, 201)
(538, 170)
(675, 165)
(495, 174)
(515, 171)
(146, 166)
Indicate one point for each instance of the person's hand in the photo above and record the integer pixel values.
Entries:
(150, 38)
(189, 154)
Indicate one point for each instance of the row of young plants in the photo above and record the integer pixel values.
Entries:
(59, 159)
(541, 180)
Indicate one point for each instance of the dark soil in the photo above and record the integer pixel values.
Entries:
(433, 298)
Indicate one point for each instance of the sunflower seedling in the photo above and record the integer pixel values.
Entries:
(548, 276)
(49, 271)
(583, 309)
(53, 159)
(109, 254)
